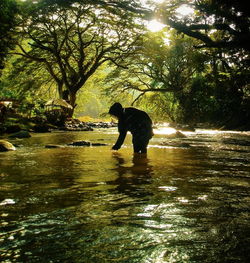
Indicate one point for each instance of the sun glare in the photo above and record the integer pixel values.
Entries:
(184, 10)
(155, 25)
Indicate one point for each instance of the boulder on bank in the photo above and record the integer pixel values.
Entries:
(20, 135)
(14, 128)
(6, 146)
(43, 127)
(76, 125)
(101, 124)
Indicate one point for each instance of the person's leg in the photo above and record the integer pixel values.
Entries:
(144, 145)
(140, 144)
(136, 146)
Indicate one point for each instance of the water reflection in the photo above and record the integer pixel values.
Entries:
(132, 177)
(140, 165)
(91, 205)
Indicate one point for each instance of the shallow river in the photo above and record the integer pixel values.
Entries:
(188, 201)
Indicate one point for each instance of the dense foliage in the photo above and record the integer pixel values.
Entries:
(90, 53)
(8, 9)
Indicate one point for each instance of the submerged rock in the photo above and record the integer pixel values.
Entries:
(54, 146)
(176, 144)
(177, 134)
(80, 143)
(75, 144)
(86, 143)
(98, 144)
(6, 146)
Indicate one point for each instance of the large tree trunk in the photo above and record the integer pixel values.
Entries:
(72, 102)
(60, 90)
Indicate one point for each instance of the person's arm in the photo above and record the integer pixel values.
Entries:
(120, 140)
(122, 135)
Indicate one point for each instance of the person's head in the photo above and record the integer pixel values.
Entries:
(116, 109)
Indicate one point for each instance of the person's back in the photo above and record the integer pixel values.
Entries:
(137, 122)
(135, 119)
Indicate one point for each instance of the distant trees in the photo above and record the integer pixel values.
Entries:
(72, 42)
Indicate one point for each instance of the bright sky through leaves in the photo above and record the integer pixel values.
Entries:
(155, 25)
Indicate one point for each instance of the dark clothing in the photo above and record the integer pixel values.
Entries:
(139, 124)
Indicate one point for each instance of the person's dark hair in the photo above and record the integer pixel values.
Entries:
(116, 109)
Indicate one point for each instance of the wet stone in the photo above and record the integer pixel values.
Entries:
(6, 146)
(80, 143)
(176, 135)
(98, 144)
(54, 146)
(86, 143)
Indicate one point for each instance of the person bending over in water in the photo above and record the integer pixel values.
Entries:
(137, 122)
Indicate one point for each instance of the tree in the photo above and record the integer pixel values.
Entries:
(73, 42)
(217, 23)
(8, 10)
(166, 68)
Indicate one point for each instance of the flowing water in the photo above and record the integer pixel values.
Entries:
(188, 201)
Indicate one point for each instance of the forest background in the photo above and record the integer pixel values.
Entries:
(183, 67)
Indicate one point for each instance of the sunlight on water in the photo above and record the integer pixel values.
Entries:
(187, 202)
(214, 132)
(164, 130)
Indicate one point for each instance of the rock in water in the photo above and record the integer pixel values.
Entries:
(6, 146)
(98, 144)
(80, 143)
(176, 135)
(86, 143)
(21, 134)
(54, 146)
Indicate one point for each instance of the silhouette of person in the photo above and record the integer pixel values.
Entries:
(137, 122)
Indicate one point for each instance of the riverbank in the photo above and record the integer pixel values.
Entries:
(18, 125)
(40, 125)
